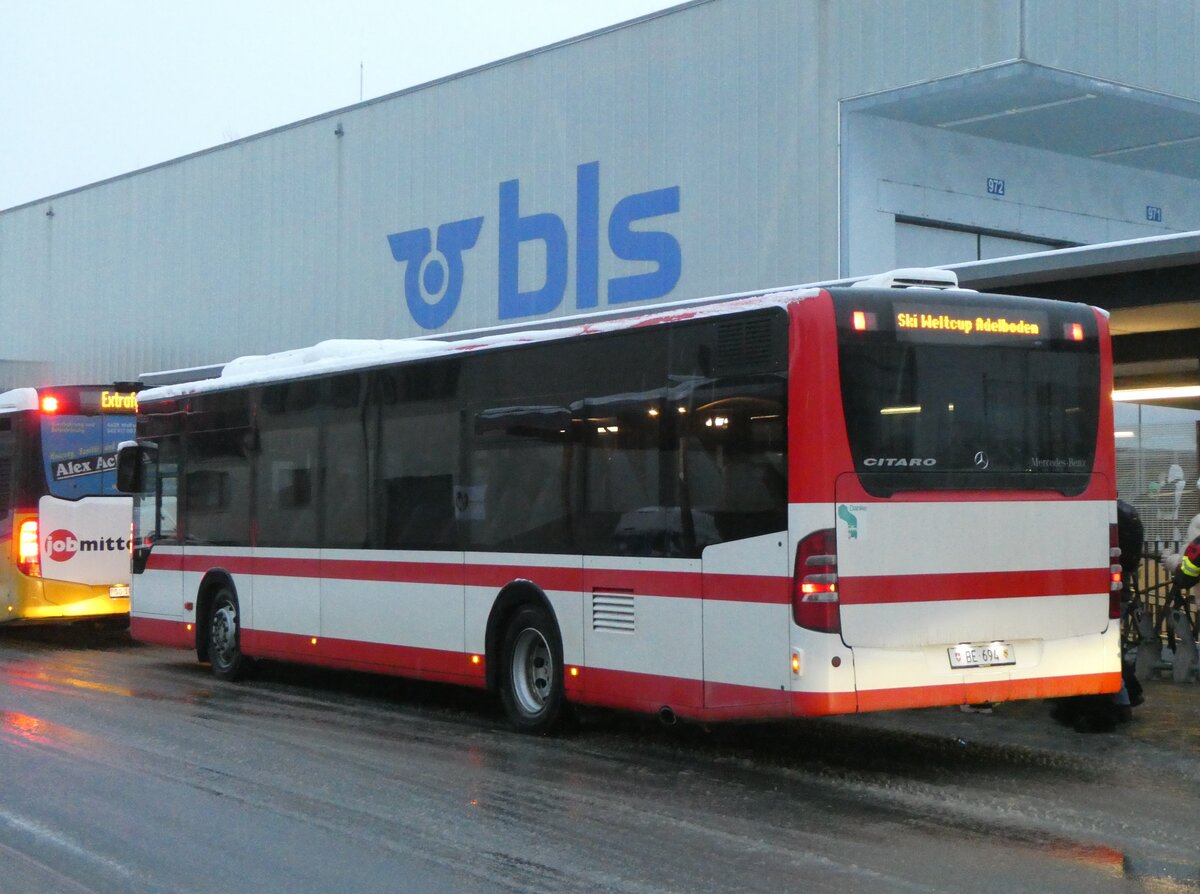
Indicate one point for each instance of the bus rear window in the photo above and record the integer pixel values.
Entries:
(79, 453)
(1001, 397)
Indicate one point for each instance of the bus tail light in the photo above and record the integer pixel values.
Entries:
(1116, 582)
(815, 583)
(28, 554)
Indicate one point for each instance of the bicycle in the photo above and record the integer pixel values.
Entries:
(1140, 642)
(1182, 632)
(1142, 629)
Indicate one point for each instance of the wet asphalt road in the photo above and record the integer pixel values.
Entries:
(126, 768)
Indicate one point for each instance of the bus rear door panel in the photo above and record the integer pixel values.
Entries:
(918, 578)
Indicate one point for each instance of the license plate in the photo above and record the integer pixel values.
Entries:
(118, 591)
(982, 655)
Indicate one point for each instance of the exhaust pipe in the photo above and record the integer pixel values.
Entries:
(666, 716)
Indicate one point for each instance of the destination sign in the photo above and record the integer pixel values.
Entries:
(926, 323)
(108, 401)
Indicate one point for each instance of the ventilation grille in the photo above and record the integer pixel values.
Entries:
(745, 343)
(613, 612)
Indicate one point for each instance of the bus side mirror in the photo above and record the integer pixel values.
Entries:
(131, 477)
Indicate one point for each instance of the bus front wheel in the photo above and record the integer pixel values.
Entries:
(531, 683)
(224, 637)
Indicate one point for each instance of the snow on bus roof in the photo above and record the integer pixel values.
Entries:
(346, 355)
(19, 399)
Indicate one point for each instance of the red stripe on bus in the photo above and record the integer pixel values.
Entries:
(391, 572)
(548, 578)
(682, 584)
(993, 691)
(162, 632)
(426, 664)
(159, 561)
(679, 584)
(726, 701)
(627, 690)
(894, 588)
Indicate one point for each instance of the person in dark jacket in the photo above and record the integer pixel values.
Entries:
(1101, 713)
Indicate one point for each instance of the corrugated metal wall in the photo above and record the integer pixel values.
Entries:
(1149, 45)
(281, 240)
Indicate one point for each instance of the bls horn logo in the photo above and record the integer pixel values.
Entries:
(433, 276)
(433, 280)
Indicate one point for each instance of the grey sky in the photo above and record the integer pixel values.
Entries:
(90, 89)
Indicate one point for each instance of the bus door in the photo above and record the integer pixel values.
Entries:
(158, 550)
(407, 475)
(286, 610)
(217, 497)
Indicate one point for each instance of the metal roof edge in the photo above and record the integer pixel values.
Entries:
(1144, 253)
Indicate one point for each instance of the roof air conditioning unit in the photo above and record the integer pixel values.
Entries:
(911, 278)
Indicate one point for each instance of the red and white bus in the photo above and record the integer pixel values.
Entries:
(801, 502)
(66, 525)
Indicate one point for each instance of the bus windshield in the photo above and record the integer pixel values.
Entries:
(939, 398)
(79, 453)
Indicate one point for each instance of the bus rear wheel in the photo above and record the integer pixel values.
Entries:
(531, 682)
(224, 638)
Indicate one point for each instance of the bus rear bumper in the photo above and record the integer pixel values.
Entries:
(35, 600)
(891, 679)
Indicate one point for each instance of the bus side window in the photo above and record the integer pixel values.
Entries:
(731, 406)
(417, 466)
(345, 483)
(518, 459)
(155, 509)
(288, 436)
(217, 479)
(167, 491)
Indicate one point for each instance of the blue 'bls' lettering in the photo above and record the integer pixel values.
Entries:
(636, 245)
(433, 279)
(515, 229)
(628, 244)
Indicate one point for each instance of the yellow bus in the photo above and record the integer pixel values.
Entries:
(68, 528)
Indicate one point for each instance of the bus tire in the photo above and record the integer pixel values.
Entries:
(531, 676)
(224, 637)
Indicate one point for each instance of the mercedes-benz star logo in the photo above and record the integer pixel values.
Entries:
(981, 460)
